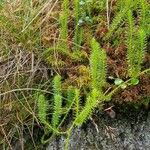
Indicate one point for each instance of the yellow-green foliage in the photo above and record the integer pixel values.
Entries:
(64, 15)
(78, 28)
(98, 80)
(57, 85)
(57, 104)
(42, 108)
(91, 103)
(97, 66)
(64, 20)
(145, 15)
(130, 44)
(141, 46)
(136, 43)
(57, 110)
(77, 101)
(120, 16)
(70, 95)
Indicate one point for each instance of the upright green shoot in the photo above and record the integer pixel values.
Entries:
(144, 18)
(57, 101)
(91, 103)
(42, 108)
(120, 16)
(135, 47)
(78, 28)
(64, 16)
(97, 66)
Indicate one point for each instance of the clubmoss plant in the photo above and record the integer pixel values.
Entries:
(57, 101)
(78, 23)
(91, 103)
(42, 108)
(63, 19)
(136, 45)
(119, 18)
(77, 101)
(94, 98)
(144, 15)
(57, 110)
(98, 66)
(70, 95)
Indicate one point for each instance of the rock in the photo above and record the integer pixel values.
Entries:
(128, 131)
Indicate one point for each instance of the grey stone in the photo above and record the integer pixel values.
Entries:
(129, 132)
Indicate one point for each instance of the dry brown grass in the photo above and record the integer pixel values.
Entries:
(26, 28)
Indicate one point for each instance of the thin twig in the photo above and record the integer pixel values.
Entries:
(6, 137)
(107, 8)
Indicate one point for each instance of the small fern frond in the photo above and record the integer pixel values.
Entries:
(91, 103)
(42, 105)
(57, 110)
(98, 66)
